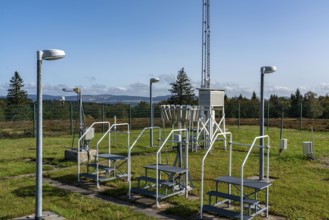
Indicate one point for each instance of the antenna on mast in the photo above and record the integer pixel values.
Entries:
(205, 72)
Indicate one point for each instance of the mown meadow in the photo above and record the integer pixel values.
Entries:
(300, 187)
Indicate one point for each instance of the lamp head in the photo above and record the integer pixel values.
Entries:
(76, 90)
(154, 80)
(267, 69)
(52, 54)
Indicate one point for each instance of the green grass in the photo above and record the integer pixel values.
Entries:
(300, 189)
(17, 199)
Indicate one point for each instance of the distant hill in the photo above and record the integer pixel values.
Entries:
(108, 99)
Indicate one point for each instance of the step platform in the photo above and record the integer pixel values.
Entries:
(101, 167)
(147, 193)
(112, 156)
(224, 212)
(255, 184)
(232, 197)
(153, 180)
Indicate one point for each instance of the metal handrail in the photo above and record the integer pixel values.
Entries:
(244, 162)
(129, 155)
(82, 136)
(109, 145)
(186, 162)
(202, 166)
(230, 166)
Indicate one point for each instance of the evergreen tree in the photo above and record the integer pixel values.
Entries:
(254, 96)
(252, 108)
(17, 107)
(296, 100)
(16, 95)
(182, 92)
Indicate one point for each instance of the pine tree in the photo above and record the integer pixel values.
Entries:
(16, 95)
(182, 92)
(296, 100)
(17, 102)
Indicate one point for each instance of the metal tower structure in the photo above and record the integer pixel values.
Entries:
(205, 74)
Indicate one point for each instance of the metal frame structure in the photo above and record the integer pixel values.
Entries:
(112, 158)
(177, 177)
(210, 102)
(81, 138)
(239, 183)
(205, 70)
(185, 116)
(129, 155)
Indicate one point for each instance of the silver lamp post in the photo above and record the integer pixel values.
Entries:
(152, 80)
(41, 55)
(263, 70)
(79, 93)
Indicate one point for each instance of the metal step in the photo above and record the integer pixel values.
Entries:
(108, 169)
(146, 192)
(112, 157)
(124, 175)
(232, 197)
(153, 180)
(224, 212)
(88, 175)
(92, 176)
(255, 184)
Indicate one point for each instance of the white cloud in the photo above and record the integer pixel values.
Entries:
(162, 88)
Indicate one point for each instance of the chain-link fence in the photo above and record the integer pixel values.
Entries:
(59, 119)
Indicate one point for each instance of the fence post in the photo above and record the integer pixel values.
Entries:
(268, 114)
(71, 119)
(239, 115)
(130, 116)
(301, 116)
(281, 127)
(103, 118)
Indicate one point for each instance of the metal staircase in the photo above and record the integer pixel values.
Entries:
(247, 197)
(163, 180)
(106, 166)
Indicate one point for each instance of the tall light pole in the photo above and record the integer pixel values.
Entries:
(41, 55)
(152, 80)
(81, 122)
(263, 70)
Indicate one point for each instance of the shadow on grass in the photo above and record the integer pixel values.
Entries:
(47, 191)
(116, 193)
(70, 179)
(184, 211)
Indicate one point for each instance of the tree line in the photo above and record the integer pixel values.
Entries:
(309, 106)
(16, 105)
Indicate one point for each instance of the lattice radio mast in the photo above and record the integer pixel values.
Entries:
(205, 74)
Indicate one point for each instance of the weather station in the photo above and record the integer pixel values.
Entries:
(210, 100)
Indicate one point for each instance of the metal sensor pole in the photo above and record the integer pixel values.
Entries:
(38, 198)
(41, 55)
(261, 125)
(152, 80)
(263, 70)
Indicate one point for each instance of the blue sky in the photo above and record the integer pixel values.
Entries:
(116, 46)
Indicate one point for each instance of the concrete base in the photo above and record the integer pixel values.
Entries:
(72, 154)
(46, 215)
